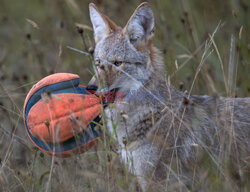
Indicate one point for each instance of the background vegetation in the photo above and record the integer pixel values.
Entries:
(211, 35)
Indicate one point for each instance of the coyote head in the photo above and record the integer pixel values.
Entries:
(125, 57)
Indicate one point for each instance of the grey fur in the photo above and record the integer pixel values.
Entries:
(166, 134)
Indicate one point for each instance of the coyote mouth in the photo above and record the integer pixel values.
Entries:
(110, 95)
(109, 90)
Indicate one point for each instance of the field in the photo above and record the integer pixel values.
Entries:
(206, 50)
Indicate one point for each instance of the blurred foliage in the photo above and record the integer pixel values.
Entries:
(34, 35)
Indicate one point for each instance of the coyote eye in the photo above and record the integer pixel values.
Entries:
(117, 63)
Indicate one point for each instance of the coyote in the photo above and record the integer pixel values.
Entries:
(162, 131)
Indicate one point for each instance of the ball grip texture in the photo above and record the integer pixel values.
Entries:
(59, 115)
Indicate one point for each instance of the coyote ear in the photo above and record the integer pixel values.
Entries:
(140, 25)
(102, 25)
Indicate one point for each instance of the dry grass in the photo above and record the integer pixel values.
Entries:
(34, 36)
